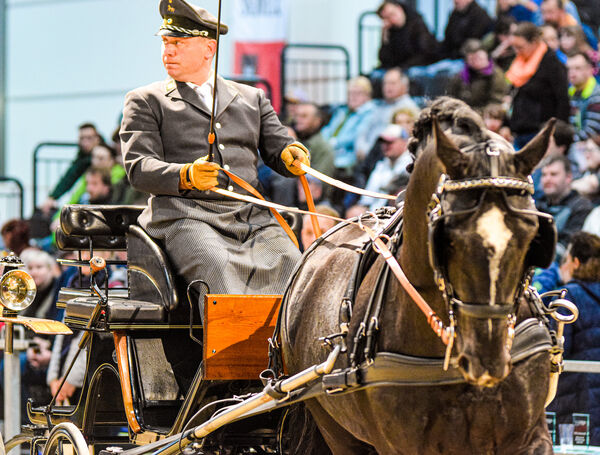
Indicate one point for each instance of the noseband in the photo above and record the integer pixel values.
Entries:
(438, 215)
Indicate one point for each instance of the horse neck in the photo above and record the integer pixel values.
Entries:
(413, 255)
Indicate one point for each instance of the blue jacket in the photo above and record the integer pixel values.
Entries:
(580, 392)
(343, 129)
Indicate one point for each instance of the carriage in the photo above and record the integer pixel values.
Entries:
(340, 361)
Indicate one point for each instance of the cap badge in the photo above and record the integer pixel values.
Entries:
(170, 9)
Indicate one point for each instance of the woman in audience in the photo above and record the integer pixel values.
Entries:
(539, 83)
(573, 40)
(580, 392)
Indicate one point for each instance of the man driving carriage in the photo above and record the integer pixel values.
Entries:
(236, 248)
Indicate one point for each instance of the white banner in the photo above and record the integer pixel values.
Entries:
(260, 20)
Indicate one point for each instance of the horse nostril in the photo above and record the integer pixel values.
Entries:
(463, 363)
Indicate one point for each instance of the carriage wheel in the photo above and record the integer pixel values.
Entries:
(66, 439)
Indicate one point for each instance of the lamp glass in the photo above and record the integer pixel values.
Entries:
(17, 290)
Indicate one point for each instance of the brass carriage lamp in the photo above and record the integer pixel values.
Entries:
(17, 291)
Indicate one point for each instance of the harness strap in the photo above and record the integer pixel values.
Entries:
(341, 185)
(311, 207)
(245, 185)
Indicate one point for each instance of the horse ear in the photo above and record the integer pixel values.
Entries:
(450, 155)
(532, 153)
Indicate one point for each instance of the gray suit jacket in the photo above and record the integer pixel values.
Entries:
(166, 124)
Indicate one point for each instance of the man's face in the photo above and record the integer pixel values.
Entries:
(392, 85)
(556, 182)
(307, 119)
(579, 71)
(40, 272)
(392, 16)
(551, 12)
(95, 187)
(392, 149)
(88, 139)
(102, 158)
(478, 60)
(185, 58)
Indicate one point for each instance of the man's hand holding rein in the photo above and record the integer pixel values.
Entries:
(295, 151)
(201, 175)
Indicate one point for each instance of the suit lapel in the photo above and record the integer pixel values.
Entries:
(225, 95)
(182, 91)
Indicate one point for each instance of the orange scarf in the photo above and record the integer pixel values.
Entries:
(521, 69)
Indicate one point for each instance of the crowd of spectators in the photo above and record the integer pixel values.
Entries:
(534, 60)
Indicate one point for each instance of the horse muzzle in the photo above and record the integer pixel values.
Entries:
(485, 335)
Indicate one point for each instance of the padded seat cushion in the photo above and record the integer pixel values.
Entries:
(66, 242)
(98, 219)
(119, 310)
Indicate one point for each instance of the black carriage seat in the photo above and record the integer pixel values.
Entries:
(152, 295)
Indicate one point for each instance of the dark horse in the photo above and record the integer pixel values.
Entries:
(496, 406)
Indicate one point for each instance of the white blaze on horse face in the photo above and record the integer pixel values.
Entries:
(495, 235)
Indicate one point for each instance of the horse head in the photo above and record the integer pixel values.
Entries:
(484, 237)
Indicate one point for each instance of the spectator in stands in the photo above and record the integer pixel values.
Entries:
(346, 121)
(43, 269)
(480, 82)
(578, 392)
(308, 234)
(15, 236)
(98, 187)
(540, 84)
(405, 41)
(572, 40)
(103, 157)
(406, 118)
(498, 42)
(550, 37)
(553, 12)
(395, 96)
(559, 145)
(467, 20)
(88, 139)
(588, 184)
(309, 120)
(496, 120)
(394, 139)
(584, 94)
(568, 208)
(518, 10)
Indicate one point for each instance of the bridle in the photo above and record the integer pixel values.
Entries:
(439, 213)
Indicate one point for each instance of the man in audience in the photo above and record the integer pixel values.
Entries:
(568, 208)
(309, 121)
(395, 159)
(584, 94)
(346, 122)
(395, 96)
(467, 20)
(98, 187)
(405, 40)
(553, 12)
(88, 139)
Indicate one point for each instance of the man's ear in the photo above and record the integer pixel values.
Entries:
(576, 263)
(211, 45)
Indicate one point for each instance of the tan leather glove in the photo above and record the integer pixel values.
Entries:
(200, 174)
(295, 151)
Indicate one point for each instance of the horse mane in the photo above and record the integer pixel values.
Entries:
(451, 114)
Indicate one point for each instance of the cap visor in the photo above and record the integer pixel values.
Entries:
(165, 32)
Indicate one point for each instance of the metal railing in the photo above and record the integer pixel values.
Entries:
(257, 82)
(320, 71)
(11, 199)
(49, 168)
(369, 41)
